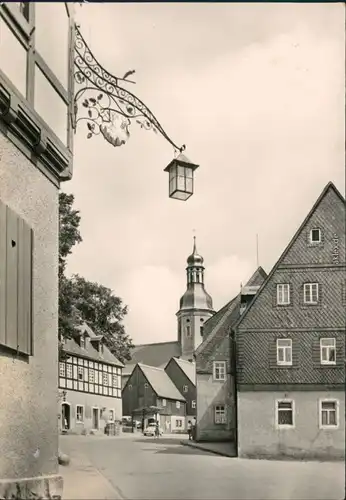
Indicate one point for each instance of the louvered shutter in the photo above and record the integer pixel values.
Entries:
(16, 240)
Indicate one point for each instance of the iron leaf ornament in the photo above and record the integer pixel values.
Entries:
(106, 107)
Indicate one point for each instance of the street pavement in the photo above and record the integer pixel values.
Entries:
(142, 468)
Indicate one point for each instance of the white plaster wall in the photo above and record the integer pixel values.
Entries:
(257, 434)
(28, 393)
(91, 400)
(209, 394)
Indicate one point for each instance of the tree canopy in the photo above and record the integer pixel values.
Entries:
(81, 300)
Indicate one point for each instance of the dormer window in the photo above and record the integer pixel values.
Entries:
(315, 235)
(82, 341)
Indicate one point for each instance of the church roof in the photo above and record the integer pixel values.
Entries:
(188, 367)
(157, 354)
(161, 383)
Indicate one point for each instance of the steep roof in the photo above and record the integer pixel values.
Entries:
(188, 367)
(157, 354)
(228, 315)
(89, 352)
(160, 382)
(330, 187)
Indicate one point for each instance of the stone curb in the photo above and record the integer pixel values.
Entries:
(203, 448)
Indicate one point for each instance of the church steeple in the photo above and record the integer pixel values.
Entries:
(196, 305)
(195, 269)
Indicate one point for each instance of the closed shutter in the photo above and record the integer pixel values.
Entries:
(15, 282)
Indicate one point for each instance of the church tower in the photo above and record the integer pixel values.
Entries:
(196, 306)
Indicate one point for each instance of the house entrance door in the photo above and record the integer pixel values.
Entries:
(95, 418)
(65, 415)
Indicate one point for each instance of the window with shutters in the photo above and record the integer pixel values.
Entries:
(16, 244)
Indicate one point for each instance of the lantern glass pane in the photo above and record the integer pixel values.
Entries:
(12, 57)
(181, 183)
(188, 172)
(181, 171)
(173, 171)
(189, 185)
(172, 185)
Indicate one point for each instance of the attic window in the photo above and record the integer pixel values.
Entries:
(82, 341)
(146, 386)
(315, 235)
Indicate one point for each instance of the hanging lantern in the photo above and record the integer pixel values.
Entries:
(181, 177)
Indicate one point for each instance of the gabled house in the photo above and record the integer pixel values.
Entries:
(214, 371)
(183, 375)
(157, 354)
(149, 391)
(290, 345)
(89, 384)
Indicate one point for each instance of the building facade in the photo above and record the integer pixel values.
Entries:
(216, 412)
(89, 385)
(291, 345)
(148, 393)
(36, 94)
(183, 375)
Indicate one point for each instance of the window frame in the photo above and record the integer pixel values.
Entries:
(277, 411)
(80, 370)
(313, 242)
(220, 413)
(62, 369)
(24, 31)
(284, 349)
(280, 289)
(111, 412)
(328, 348)
(193, 404)
(185, 389)
(337, 413)
(305, 288)
(164, 402)
(215, 367)
(177, 405)
(83, 415)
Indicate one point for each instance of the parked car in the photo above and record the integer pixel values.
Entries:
(150, 430)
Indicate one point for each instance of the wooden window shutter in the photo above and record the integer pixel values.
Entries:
(16, 241)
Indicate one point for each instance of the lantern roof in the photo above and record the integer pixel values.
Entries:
(183, 160)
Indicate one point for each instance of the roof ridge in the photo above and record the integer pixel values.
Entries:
(156, 343)
(153, 367)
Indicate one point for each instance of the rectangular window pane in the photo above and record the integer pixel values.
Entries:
(285, 417)
(50, 106)
(51, 38)
(12, 58)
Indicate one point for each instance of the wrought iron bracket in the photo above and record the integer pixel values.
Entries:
(109, 109)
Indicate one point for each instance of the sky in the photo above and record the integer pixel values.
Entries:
(256, 92)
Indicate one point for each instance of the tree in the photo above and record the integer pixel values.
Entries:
(104, 312)
(82, 300)
(69, 236)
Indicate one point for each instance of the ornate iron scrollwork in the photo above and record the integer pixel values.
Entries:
(109, 108)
